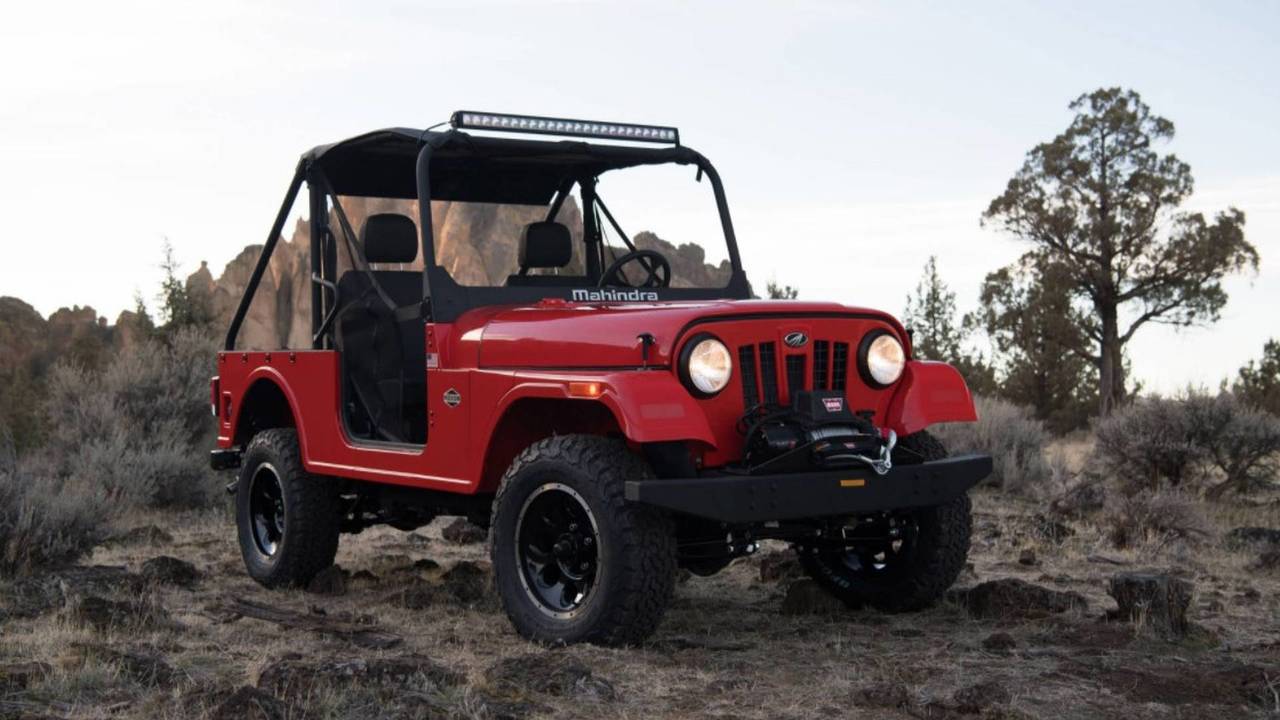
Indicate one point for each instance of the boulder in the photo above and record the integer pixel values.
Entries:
(463, 532)
(1153, 600)
(806, 597)
(165, 570)
(250, 703)
(552, 673)
(1016, 599)
(1028, 557)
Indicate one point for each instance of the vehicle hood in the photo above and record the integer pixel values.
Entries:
(564, 335)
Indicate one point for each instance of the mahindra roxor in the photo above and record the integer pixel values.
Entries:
(490, 343)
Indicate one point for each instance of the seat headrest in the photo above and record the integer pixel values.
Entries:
(545, 245)
(389, 238)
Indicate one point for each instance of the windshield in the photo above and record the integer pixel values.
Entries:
(650, 226)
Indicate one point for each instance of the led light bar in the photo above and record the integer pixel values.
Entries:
(563, 126)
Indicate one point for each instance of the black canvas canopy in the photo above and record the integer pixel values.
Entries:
(474, 168)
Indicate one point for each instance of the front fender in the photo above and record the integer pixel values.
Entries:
(649, 406)
(929, 393)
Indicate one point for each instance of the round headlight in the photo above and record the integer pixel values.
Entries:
(705, 365)
(881, 359)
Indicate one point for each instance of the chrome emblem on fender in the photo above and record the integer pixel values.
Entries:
(796, 339)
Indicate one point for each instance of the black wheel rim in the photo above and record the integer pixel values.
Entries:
(266, 509)
(557, 550)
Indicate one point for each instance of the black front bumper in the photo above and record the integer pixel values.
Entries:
(789, 496)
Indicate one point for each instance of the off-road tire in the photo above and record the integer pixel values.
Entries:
(309, 541)
(635, 575)
(940, 551)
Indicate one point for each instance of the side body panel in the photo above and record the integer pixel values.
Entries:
(528, 355)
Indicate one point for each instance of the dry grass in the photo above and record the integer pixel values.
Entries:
(725, 650)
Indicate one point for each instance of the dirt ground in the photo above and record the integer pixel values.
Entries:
(409, 630)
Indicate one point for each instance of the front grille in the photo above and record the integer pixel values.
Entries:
(839, 366)
(821, 352)
(747, 363)
(769, 372)
(795, 374)
(760, 379)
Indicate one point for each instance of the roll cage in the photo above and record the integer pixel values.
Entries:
(453, 165)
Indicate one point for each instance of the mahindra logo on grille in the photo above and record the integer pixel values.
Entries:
(796, 339)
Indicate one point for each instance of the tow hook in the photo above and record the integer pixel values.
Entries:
(884, 463)
(231, 486)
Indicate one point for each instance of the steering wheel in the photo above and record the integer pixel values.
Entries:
(658, 269)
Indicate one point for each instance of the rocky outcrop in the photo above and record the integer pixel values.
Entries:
(475, 242)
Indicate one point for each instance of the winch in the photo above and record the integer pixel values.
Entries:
(817, 431)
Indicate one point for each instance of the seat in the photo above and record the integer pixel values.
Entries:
(545, 245)
(383, 359)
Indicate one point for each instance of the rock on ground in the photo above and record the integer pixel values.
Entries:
(1153, 600)
(165, 570)
(329, 581)
(552, 673)
(1010, 598)
(999, 642)
(1268, 561)
(1244, 536)
(463, 532)
(806, 597)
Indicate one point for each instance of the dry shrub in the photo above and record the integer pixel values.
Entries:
(43, 521)
(1014, 439)
(140, 429)
(1214, 441)
(1155, 517)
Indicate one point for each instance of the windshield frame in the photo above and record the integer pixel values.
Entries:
(447, 299)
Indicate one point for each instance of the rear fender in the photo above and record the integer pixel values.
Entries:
(929, 393)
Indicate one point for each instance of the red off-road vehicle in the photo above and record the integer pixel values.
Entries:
(608, 410)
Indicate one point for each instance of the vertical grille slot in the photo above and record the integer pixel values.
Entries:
(769, 372)
(747, 365)
(839, 365)
(795, 375)
(821, 349)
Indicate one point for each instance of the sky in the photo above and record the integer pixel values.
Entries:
(855, 139)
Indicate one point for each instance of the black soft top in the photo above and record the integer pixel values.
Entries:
(473, 168)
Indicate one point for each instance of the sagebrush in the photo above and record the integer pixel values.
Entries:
(1013, 438)
(137, 429)
(43, 520)
(1212, 442)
